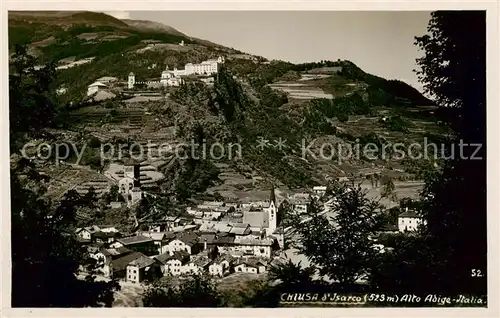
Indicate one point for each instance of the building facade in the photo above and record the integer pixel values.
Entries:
(409, 221)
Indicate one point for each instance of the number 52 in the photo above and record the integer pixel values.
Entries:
(476, 273)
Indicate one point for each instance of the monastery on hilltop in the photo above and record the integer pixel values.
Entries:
(173, 77)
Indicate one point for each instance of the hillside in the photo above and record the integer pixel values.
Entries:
(152, 26)
(332, 102)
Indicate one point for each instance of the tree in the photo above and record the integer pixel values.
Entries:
(198, 291)
(453, 71)
(114, 195)
(388, 188)
(292, 276)
(338, 242)
(32, 104)
(46, 256)
(284, 210)
(218, 197)
(45, 253)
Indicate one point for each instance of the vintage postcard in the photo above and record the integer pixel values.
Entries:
(321, 159)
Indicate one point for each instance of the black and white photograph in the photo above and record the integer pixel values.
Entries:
(248, 159)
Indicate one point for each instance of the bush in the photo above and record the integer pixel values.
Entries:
(396, 123)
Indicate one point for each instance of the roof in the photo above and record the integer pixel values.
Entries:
(115, 251)
(253, 241)
(97, 84)
(105, 234)
(178, 255)
(157, 236)
(251, 262)
(188, 239)
(171, 218)
(222, 227)
(142, 262)
(409, 214)
(82, 240)
(121, 263)
(103, 95)
(320, 188)
(207, 227)
(241, 229)
(90, 229)
(201, 261)
(225, 240)
(106, 79)
(135, 240)
(207, 237)
(256, 218)
(224, 257)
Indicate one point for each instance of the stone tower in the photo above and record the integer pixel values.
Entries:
(131, 80)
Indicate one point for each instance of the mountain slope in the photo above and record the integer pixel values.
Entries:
(243, 105)
(152, 26)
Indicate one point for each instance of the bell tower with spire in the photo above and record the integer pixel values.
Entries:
(272, 211)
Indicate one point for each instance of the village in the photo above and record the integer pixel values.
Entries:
(218, 238)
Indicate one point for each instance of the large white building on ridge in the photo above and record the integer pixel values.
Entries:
(206, 67)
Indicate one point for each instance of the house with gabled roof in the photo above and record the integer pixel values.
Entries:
(160, 239)
(105, 237)
(105, 256)
(95, 87)
(409, 221)
(143, 268)
(221, 265)
(183, 242)
(138, 243)
(87, 232)
(196, 265)
(171, 264)
(254, 266)
(119, 265)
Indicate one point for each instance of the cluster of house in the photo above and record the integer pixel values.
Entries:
(214, 237)
(220, 245)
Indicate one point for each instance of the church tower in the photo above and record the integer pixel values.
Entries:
(272, 210)
(131, 80)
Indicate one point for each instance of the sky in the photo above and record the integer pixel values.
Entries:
(379, 42)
